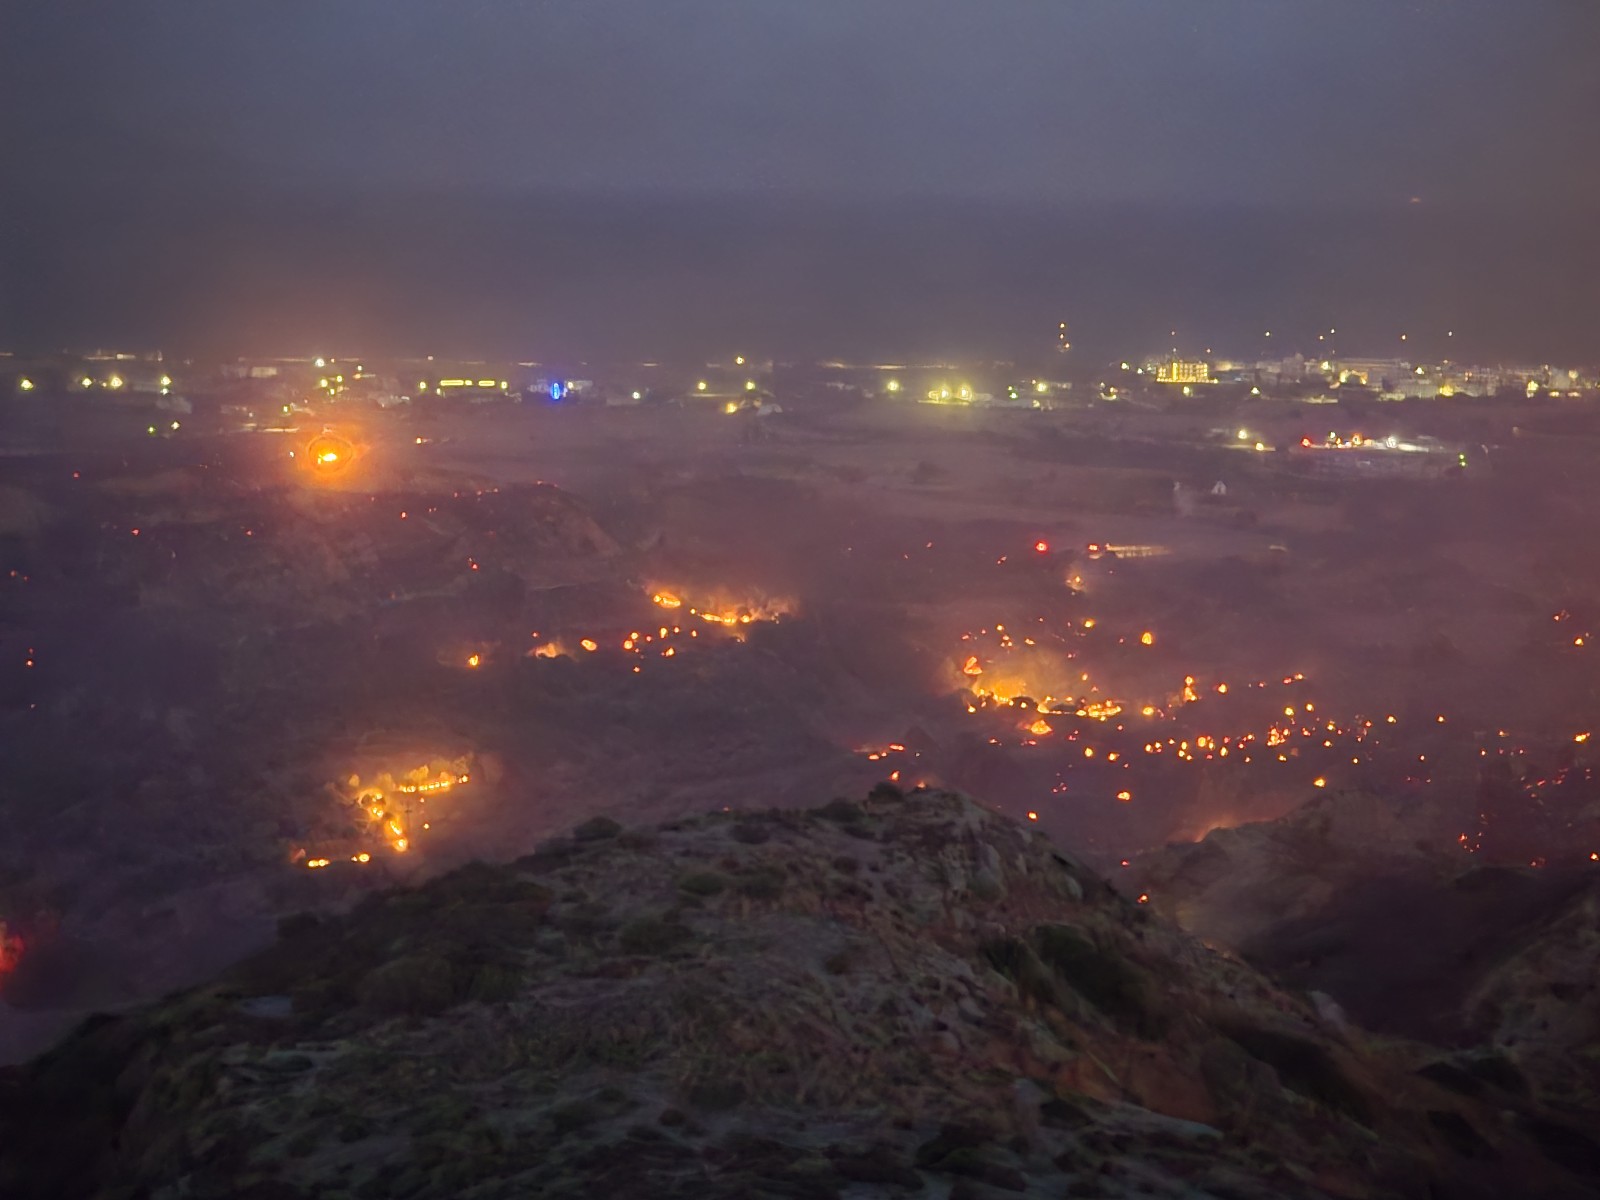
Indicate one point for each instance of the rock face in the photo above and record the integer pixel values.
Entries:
(1236, 884)
(904, 996)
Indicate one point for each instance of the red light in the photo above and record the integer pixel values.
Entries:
(1042, 547)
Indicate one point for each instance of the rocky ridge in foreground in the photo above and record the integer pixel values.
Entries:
(907, 996)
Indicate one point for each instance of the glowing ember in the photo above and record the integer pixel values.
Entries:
(11, 947)
(1100, 710)
(328, 456)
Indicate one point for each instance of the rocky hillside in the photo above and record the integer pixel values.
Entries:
(907, 996)
(1347, 895)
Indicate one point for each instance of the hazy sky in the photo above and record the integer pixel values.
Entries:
(643, 176)
(1366, 101)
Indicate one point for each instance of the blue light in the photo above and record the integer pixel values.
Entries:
(557, 391)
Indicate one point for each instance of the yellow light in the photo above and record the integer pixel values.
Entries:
(328, 456)
(730, 407)
(166, 381)
(486, 383)
(86, 381)
(966, 392)
(1244, 435)
(1147, 638)
(422, 385)
(749, 385)
(701, 386)
(504, 384)
(738, 360)
(320, 363)
(26, 385)
(892, 386)
(474, 660)
(590, 645)
(1319, 782)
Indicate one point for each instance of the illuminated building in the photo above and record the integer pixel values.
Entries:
(1383, 374)
(472, 387)
(1181, 370)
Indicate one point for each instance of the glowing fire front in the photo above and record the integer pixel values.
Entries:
(728, 611)
(394, 808)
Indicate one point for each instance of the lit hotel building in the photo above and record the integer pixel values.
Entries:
(1179, 370)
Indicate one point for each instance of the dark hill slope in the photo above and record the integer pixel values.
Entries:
(909, 996)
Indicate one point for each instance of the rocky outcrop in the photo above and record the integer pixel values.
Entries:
(906, 995)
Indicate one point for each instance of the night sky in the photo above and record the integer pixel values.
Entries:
(121, 115)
